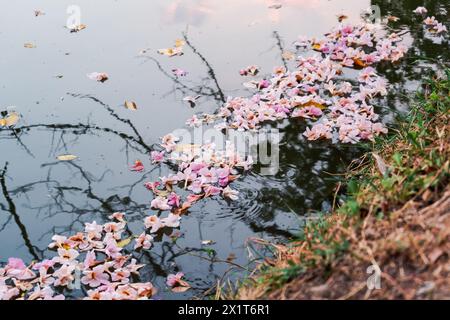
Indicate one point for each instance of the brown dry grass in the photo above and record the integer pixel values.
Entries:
(398, 220)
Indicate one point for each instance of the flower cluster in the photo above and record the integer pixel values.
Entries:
(433, 26)
(93, 259)
(315, 90)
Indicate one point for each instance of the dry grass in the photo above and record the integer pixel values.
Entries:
(396, 216)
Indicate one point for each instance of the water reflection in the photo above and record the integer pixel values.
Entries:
(41, 196)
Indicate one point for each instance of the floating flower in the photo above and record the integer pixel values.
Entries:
(153, 223)
(230, 193)
(95, 277)
(160, 203)
(172, 221)
(143, 241)
(157, 157)
(420, 10)
(138, 166)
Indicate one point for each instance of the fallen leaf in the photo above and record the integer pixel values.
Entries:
(10, 120)
(342, 17)
(171, 52)
(381, 165)
(38, 13)
(179, 43)
(78, 28)
(392, 18)
(192, 100)
(130, 105)
(231, 257)
(359, 63)
(275, 6)
(29, 45)
(124, 242)
(66, 157)
(98, 76)
(288, 55)
(317, 46)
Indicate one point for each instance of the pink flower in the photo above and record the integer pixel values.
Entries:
(90, 260)
(16, 263)
(174, 200)
(95, 277)
(143, 241)
(172, 221)
(196, 186)
(230, 193)
(121, 275)
(137, 167)
(157, 157)
(17, 269)
(64, 275)
(212, 191)
(208, 175)
(66, 256)
(179, 72)
(420, 10)
(98, 76)
(119, 216)
(160, 203)
(152, 186)
(112, 250)
(93, 230)
(46, 264)
(174, 279)
(153, 223)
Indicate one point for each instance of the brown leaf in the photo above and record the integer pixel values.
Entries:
(381, 165)
(29, 45)
(10, 120)
(66, 157)
(131, 105)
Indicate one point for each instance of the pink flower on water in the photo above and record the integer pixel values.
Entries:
(119, 216)
(179, 72)
(160, 203)
(95, 277)
(137, 167)
(230, 193)
(174, 200)
(64, 275)
(153, 223)
(174, 279)
(172, 221)
(157, 157)
(143, 241)
(420, 10)
(196, 186)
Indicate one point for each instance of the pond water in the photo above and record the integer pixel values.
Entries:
(63, 112)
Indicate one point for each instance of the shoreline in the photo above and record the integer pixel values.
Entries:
(391, 230)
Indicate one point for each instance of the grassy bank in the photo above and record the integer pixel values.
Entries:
(393, 215)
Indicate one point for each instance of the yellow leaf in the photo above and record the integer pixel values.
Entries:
(29, 45)
(66, 157)
(179, 43)
(10, 120)
(288, 55)
(124, 242)
(130, 105)
(317, 46)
